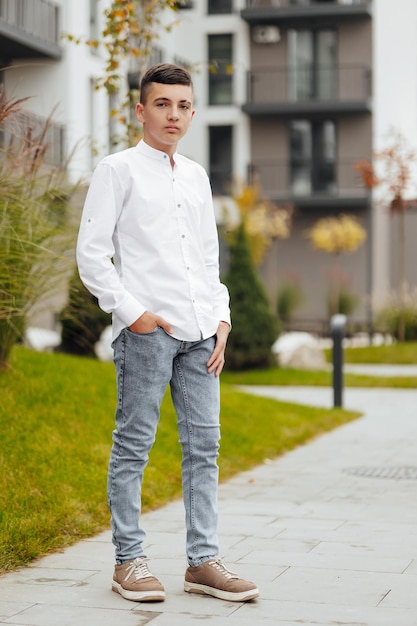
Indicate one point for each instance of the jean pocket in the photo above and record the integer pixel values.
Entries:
(135, 334)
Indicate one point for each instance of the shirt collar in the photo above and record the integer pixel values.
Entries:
(152, 153)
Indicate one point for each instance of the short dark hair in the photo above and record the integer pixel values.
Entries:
(165, 73)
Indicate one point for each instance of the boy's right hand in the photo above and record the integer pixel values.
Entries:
(147, 322)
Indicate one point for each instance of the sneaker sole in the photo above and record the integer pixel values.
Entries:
(138, 596)
(242, 596)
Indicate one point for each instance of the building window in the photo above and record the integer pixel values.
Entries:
(220, 69)
(313, 64)
(94, 22)
(219, 6)
(220, 159)
(312, 156)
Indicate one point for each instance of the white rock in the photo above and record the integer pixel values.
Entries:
(299, 350)
(42, 339)
(103, 348)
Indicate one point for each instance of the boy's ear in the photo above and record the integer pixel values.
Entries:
(139, 112)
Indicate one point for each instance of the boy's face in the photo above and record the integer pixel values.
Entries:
(166, 115)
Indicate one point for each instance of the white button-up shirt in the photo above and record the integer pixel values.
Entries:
(148, 242)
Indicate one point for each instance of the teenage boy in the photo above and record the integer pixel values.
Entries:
(148, 250)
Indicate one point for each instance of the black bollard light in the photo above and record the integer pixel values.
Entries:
(337, 327)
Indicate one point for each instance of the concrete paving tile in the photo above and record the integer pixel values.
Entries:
(269, 556)
(196, 604)
(233, 620)
(51, 595)
(44, 615)
(278, 545)
(364, 563)
(320, 509)
(51, 576)
(379, 532)
(83, 555)
(287, 613)
(302, 525)
(340, 587)
(412, 568)
(403, 594)
(104, 537)
(231, 541)
(9, 608)
(245, 524)
(397, 549)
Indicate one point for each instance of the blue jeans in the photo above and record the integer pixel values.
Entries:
(145, 365)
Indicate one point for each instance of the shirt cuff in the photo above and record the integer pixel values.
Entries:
(130, 310)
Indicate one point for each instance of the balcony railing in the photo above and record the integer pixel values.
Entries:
(27, 25)
(309, 83)
(284, 180)
(28, 127)
(270, 4)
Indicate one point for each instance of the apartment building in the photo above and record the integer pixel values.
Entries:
(326, 82)
(288, 93)
(310, 105)
(323, 93)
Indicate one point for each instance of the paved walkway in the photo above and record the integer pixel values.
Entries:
(328, 532)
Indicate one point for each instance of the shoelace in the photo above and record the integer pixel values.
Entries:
(221, 567)
(139, 568)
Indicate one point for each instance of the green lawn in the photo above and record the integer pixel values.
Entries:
(56, 415)
(285, 377)
(397, 354)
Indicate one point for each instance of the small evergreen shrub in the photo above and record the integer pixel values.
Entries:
(82, 320)
(254, 326)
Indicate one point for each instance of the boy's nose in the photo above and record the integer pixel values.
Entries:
(173, 114)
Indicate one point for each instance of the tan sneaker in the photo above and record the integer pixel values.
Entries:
(134, 581)
(214, 579)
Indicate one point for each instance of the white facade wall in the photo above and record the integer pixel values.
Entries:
(394, 109)
(64, 87)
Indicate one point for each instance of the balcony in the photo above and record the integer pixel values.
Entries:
(29, 128)
(309, 91)
(311, 185)
(305, 11)
(29, 29)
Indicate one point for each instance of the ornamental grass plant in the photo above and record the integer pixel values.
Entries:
(36, 235)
